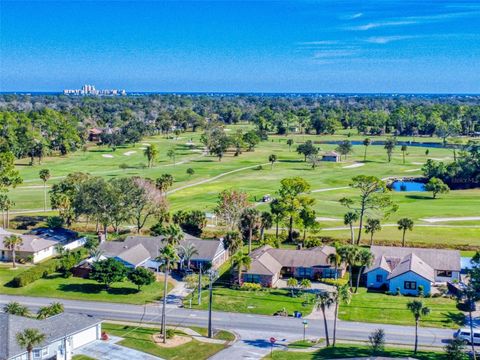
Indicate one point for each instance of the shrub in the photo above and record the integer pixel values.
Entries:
(54, 222)
(170, 333)
(338, 282)
(37, 272)
(251, 286)
(377, 341)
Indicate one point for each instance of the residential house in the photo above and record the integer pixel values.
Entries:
(405, 269)
(331, 156)
(64, 333)
(40, 244)
(270, 264)
(143, 251)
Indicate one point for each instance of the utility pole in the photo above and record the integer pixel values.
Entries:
(200, 285)
(212, 276)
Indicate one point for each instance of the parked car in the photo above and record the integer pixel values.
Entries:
(465, 335)
(266, 198)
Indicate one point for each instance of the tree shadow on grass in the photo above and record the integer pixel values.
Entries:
(419, 197)
(82, 288)
(455, 317)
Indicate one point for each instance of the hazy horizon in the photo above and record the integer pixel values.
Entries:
(324, 46)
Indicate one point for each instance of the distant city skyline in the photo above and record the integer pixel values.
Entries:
(326, 46)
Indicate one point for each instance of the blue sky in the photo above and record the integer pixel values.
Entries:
(263, 46)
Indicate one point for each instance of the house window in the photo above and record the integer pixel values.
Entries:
(410, 285)
(251, 278)
(379, 278)
(36, 354)
(444, 273)
(304, 272)
(328, 273)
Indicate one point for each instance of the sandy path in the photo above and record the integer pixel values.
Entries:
(353, 166)
(330, 189)
(214, 178)
(464, 218)
(108, 156)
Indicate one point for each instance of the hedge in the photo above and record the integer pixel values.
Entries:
(37, 272)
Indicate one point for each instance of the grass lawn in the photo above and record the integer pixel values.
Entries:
(82, 357)
(220, 335)
(381, 308)
(141, 339)
(301, 344)
(80, 289)
(260, 302)
(203, 196)
(342, 351)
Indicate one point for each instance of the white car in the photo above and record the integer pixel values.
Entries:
(464, 334)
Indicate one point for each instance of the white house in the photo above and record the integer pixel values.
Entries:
(40, 244)
(405, 269)
(64, 333)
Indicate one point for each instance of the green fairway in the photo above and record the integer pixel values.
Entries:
(55, 286)
(266, 302)
(388, 309)
(199, 191)
(141, 339)
(344, 351)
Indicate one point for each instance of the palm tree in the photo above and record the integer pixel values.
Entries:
(366, 143)
(273, 159)
(173, 234)
(364, 259)
(241, 261)
(151, 153)
(29, 338)
(324, 301)
(186, 253)
(342, 295)
(292, 283)
(54, 308)
(390, 144)
(15, 308)
(172, 154)
(404, 149)
(168, 255)
(418, 310)
(349, 255)
(405, 224)
(164, 182)
(290, 143)
(349, 219)
(13, 243)
(251, 218)
(371, 227)
(278, 213)
(44, 174)
(305, 284)
(335, 259)
(266, 222)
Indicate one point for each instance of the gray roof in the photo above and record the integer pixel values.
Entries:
(135, 255)
(438, 259)
(413, 263)
(54, 328)
(153, 244)
(39, 239)
(268, 261)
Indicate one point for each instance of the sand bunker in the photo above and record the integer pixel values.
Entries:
(107, 156)
(326, 219)
(353, 166)
(417, 163)
(177, 340)
(145, 144)
(465, 218)
(412, 170)
(128, 153)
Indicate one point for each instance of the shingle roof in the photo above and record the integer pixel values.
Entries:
(39, 239)
(412, 262)
(438, 259)
(153, 244)
(268, 261)
(54, 328)
(135, 255)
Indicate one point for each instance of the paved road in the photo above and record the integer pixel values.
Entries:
(251, 327)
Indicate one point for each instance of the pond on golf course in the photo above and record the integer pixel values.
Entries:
(407, 186)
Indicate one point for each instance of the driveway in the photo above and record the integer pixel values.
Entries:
(109, 350)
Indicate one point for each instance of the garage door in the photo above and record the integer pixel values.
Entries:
(84, 337)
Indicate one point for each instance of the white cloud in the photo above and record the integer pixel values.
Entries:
(387, 39)
(320, 42)
(330, 54)
(352, 16)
